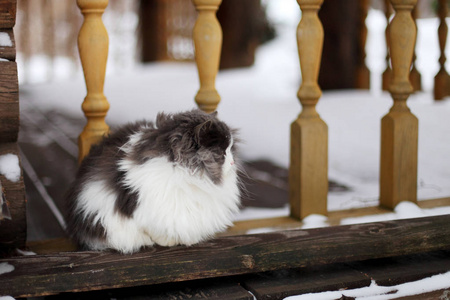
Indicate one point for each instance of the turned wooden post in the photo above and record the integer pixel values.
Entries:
(399, 128)
(93, 48)
(414, 76)
(442, 80)
(386, 77)
(362, 71)
(207, 37)
(308, 171)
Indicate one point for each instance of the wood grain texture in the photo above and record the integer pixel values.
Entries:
(9, 102)
(13, 232)
(278, 285)
(93, 48)
(308, 170)
(399, 128)
(8, 13)
(397, 270)
(207, 35)
(83, 271)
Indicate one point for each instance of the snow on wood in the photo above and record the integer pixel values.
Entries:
(5, 40)
(376, 292)
(9, 167)
(6, 268)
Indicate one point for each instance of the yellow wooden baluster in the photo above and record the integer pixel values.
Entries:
(386, 77)
(399, 128)
(414, 76)
(308, 172)
(441, 80)
(93, 48)
(207, 37)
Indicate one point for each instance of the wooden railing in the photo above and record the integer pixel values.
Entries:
(57, 272)
(308, 174)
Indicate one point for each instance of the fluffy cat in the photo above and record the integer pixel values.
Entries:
(172, 182)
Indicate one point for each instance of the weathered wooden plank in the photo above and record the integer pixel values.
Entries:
(284, 283)
(82, 271)
(398, 270)
(9, 117)
(7, 13)
(8, 51)
(13, 232)
(9, 102)
(208, 289)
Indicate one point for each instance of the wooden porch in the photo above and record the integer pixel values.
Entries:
(271, 265)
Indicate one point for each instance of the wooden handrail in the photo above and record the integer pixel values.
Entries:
(308, 171)
(93, 47)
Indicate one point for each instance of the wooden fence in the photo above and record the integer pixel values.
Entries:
(308, 177)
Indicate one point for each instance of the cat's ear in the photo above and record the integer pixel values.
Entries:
(214, 114)
(207, 134)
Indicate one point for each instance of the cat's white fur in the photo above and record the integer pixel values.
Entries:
(175, 205)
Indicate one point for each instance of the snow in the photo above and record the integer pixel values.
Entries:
(5, 40)
(314, 221)
(6, 298)
(404, 210)
(9, 167)
(6, 268)
(24, 252)
(376, 292)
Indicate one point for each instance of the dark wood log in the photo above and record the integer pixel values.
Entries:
(397, 270)
(83, 271)
(9, 102)
(209, 289)
(284, 283)
(8, 13)
(13, 232)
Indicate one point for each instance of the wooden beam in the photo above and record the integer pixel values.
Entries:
(82, 271)
(9, 102)
(8, 13)
(13, 232)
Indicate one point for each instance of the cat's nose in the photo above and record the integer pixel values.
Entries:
(232, 162)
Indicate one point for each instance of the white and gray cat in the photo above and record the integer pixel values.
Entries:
(172, 182)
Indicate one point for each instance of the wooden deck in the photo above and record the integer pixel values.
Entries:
(49, 158)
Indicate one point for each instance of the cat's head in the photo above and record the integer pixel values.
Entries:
(197, 141)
